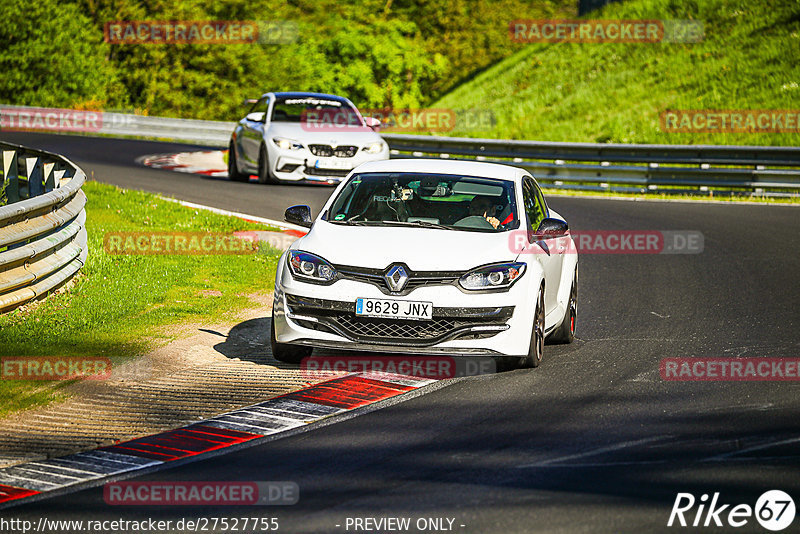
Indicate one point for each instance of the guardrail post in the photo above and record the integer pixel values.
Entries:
(62, 172)
(48, 177)
(35, 177)
(10, 189)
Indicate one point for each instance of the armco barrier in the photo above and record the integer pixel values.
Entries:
(763, 169)
(642, 166)
(42, 219)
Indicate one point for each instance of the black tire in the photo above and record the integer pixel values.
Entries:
(284, 352)
(264, 176)
(536, 347)
(233, 171)
(565, 333)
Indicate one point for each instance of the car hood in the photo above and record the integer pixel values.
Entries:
(340, 135)
(422, 249)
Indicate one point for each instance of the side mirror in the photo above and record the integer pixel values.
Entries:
(373, 123)
(299, 215)
(256, 116)
(550, 228)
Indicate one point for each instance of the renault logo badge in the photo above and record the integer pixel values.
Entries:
(396, 278)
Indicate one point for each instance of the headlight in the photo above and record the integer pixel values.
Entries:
(310, 268)
(373, 148)
(286, 144)
(496, 276)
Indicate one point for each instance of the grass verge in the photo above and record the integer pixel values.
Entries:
(119, 305)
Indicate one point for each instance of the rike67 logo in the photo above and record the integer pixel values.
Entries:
(774, 510)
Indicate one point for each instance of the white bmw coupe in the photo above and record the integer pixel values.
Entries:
(430, 257)
(303, 136)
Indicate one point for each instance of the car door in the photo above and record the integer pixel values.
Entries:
(548, 252)
(253, 131)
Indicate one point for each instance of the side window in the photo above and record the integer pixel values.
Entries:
(260, 107)
(541, 204)
(535, 207)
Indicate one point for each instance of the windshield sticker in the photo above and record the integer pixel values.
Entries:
(312, 102)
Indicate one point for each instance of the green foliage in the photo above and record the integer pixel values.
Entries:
(473, 35)
(409, 54)
(378, 53)
(52, 55)
(749, 59)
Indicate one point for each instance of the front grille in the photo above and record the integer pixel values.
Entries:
(448, 323)
(321, 150)
(326, 151)
(369, 327)
(313, 171)
(345, 151)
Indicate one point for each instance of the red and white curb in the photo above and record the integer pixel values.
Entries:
(207, 163)
(25, 482)
(287, 228)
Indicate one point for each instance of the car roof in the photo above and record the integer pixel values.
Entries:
(303, 94)
(445, 166)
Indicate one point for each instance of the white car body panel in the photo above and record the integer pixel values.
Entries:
(430, 249)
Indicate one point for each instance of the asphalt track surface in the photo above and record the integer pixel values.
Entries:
(592, 441)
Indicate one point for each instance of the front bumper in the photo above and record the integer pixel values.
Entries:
(298, 165)
(338, 317)
(464, 324)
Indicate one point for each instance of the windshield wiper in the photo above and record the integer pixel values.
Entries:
(424, 224)
(356, 223)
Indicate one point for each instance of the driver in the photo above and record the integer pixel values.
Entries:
(482, 206)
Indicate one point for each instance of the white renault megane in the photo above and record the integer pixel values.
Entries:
(423, 256)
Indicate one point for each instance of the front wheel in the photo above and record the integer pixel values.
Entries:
(284, 352)
(264, 175)
(233, 168)
(565, 333)
(536, 348)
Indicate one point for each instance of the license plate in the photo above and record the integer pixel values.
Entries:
(394, 309)
(332, 163)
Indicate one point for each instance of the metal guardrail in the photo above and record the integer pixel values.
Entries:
(214, 133)
(42, 235)
(638, 167)
(762, 169)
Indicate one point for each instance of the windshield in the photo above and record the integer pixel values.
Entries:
(443, 201)
(314, 110)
